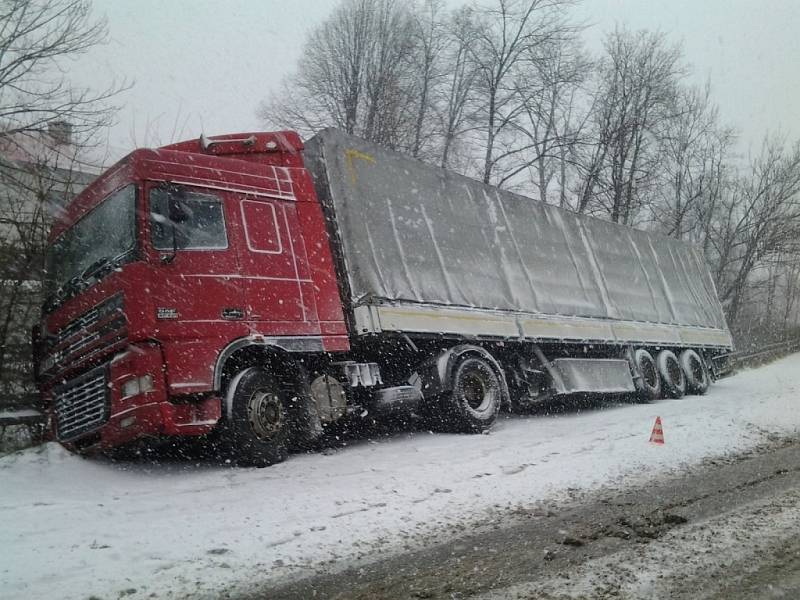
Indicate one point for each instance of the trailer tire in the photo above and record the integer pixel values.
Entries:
(696, 372)
(647, 380)
(474, 401)
(259, 424)
(673, 379)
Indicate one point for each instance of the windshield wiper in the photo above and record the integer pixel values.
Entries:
(64, 291)
(101, 266)
(96, 268)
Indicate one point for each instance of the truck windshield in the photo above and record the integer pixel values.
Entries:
(100, 239)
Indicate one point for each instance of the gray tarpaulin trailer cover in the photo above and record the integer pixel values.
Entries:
(427, 250)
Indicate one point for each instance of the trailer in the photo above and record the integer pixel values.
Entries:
(265, 289)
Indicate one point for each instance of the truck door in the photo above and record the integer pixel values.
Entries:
(191, 239)
(276, 282)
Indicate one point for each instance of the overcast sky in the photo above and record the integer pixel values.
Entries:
(204, 65)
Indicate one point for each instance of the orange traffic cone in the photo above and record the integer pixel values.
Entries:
(657, 437)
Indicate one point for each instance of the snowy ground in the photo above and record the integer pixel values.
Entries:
(707, 559)
(73, 527)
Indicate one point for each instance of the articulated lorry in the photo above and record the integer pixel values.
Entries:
(256, 289)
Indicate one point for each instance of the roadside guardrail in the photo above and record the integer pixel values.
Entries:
(22, 410)
(726, 364)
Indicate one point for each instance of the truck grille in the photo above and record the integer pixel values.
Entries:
(82, 404)
(81, 323)
(88, 336)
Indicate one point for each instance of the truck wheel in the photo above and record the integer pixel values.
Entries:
(694, 368)
(647, 381)
(259, 424)
(473, 404)
(673, 381)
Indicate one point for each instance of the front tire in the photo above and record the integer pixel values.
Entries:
(259, 424)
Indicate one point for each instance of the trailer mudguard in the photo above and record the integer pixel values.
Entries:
(434, 376)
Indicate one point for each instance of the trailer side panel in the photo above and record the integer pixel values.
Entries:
(421, 241)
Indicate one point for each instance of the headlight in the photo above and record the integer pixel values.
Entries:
(137, 385)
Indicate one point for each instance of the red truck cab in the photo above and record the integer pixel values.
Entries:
(172, 266)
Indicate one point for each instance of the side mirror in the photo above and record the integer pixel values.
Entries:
(177, 214)
(168, 258)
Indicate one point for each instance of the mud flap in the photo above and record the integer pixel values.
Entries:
(434, 376)
(307, 426)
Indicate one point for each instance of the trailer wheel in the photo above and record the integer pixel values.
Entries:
(647, 380)
(696, 372)
(475, 400)
(673, 380)
(259, 425)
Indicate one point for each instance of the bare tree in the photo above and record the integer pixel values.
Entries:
(757, 219)
(415, 78)
(694, 147)
(791, 288)
(507, 37)
(456, 103)
(551, 124)
(430, 42)
(37, 37)
(639, 78)
(355, 74)
(43, 119)
(32, 188)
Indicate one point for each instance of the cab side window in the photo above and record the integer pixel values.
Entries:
(186, 220)
(261, 227)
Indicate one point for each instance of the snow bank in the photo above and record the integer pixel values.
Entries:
(73, 527)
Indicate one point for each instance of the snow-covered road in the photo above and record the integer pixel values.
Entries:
(73, 528)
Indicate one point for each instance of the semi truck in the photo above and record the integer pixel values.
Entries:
(257, 290)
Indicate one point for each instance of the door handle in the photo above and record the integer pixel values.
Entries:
(233, 314)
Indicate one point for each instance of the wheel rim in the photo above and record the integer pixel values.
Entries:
(476, 392)
(266, 414)
(477, 387)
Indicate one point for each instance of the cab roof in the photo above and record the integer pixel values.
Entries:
(272, 162)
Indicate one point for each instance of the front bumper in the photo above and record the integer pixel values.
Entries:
(84, 418)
